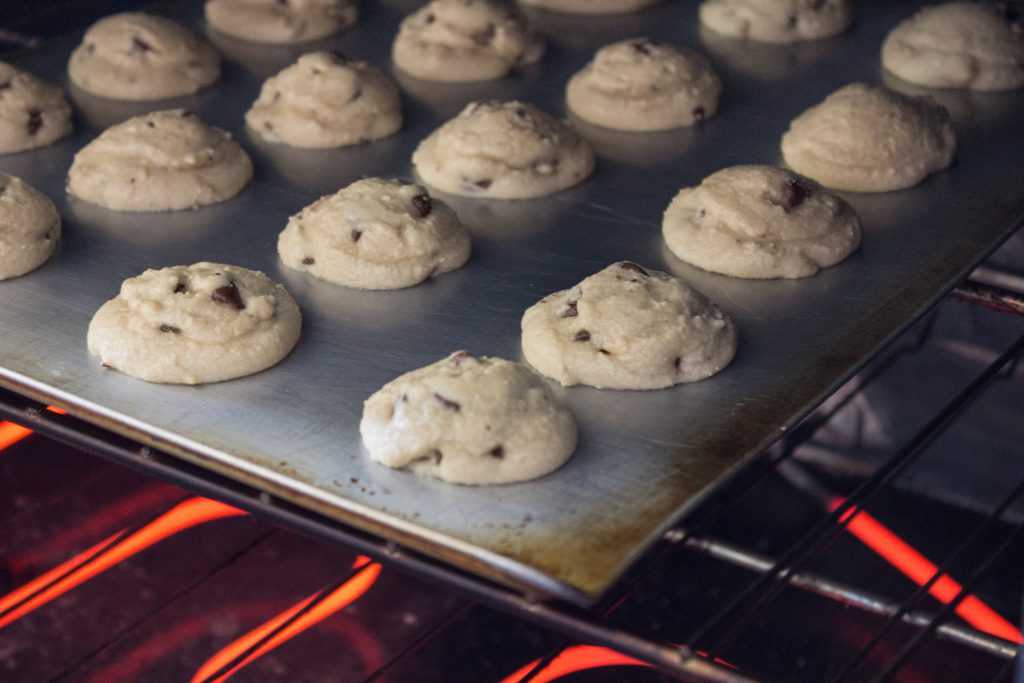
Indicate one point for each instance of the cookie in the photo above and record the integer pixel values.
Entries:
(29, 227)
(640, 85)
(627, 327)
(777, 21)
(868, 139)
(281, 21)
(464, 40)
(140, 57)
(969, 45)
(760, 222)
(469, 420)
(323, 101)
(503, 150)
(161, 161)
(375, 234)
(591, 6)
(195, 324)
(33, 113)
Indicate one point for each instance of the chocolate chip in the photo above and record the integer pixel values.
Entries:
(459, 356)
(180, 288)
(187, 114)
(497, 452)
(150, 124)
(436, 456)
(90, 48)
(228, 294)
(791, 21)
(582, 336)
(336, 56)
(35, 121)
(268, 125)
(446, 403)
(677, 362)
(641, 47)
(49, 233)
(484, 184)
(5, 85)
(699, 115)
(356, 95)
(277, 95)
(629, 265)
(485, 36)
(356, 234)
(794, 193)
(308, 261)
(423, 205)
(139, 45)
(570, 311)
(170, 328)
(429, 19)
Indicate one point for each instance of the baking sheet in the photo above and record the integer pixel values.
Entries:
(644, 457)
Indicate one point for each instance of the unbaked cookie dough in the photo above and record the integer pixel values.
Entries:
(469, 420)
(640, 85)
(375, 234)
(323, 101)
(777, 21)
(591, 6)
(161, 161)
(195, 324)
(29, 227)
(627, 327)
(868, 139)
(760, 222)
(140, 57)
(503, 150)
(464, 40)
(958, 45)
(33, 113)
(281, 21)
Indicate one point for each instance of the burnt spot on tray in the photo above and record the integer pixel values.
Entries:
(170, 329)
(571, 310)
(356, 234)
(446, 403)
(581, 336)
(794, 193)
(422, 204)
(308, 261)
(229, 294)
(35, 121)
(497, 452)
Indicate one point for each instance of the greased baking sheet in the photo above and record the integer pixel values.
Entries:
(644, 458)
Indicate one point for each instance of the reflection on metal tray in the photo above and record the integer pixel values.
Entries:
(644, 457)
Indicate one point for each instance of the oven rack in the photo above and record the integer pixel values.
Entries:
(697, 659)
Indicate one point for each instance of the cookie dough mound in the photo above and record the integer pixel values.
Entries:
(868, 139)
(29, 227)
(777, 21)
(469, 420)
(503, 150)
(325, 101)
(195, 324)
(375, 234)
(627, 328)
(464, 40)
(140, 57)
(33, 113)
(957, 45)
(640, 85)
(281, 21)
(161, 161)
(760, 222)
(591, 6)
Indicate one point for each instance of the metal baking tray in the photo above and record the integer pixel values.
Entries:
(644, 458)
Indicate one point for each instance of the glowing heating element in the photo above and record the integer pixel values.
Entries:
(288, 624)
(920, 570)
(11, 434)
(108, 553)
(571, 660)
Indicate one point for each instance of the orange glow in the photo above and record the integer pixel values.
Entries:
(573, 659)
(278, 630)
(920, 570)
(108, 553)
(11, 434)
(55, 409)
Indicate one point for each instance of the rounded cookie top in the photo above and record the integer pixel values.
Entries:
(503, 150)
(323, 100)
(868, 139)
(591, 6)
(640, 85)
(627, 328)
(777, 21)
(281, 21)
(29, 227)
(464, 40)
(958, 45)
(195, 324)
(760, 222)
(140, 57)
(375, 234)
(160, 161)
(33, 113)
(469, 420)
